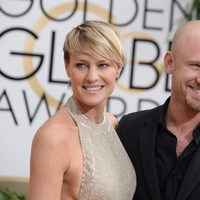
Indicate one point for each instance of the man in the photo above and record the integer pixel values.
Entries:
(164, 143)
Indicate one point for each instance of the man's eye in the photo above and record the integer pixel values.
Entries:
(196, 66)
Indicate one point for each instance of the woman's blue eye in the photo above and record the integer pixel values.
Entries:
(80, 65)
(103, 65)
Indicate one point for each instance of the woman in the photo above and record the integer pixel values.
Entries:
(76, 154)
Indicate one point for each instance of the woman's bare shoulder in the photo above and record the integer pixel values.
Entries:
(57, 129)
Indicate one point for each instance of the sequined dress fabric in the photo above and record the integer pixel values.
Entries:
(108, 173)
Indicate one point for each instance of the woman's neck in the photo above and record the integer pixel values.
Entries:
(94, 113)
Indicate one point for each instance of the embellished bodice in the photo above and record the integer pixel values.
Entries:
(107, 171)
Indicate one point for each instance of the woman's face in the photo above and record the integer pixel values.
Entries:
(92, 78)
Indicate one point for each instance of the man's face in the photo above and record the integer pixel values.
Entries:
(185, 70)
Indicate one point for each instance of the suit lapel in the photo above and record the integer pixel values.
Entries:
(147, 149)
(191, 178)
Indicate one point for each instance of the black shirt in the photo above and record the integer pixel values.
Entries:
(170, 168)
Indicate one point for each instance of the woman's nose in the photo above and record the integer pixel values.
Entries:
(92, 74)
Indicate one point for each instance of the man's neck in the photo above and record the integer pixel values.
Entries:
(181, 123)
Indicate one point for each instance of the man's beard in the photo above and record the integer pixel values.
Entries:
(193, 104)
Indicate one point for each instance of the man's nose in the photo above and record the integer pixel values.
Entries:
(198, 79)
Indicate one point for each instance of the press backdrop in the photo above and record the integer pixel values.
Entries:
(33, 82)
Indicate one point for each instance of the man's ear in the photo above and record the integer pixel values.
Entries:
(168, 60)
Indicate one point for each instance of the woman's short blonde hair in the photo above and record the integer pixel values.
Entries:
(95, 38)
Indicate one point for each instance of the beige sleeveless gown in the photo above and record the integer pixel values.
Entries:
(108, 173)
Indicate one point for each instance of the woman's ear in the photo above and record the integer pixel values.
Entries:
(168, 60)
(119, 70)
(67, 68)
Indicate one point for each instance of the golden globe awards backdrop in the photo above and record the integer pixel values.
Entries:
(33, 82)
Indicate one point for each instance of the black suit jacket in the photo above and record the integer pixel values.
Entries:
(137, 132)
